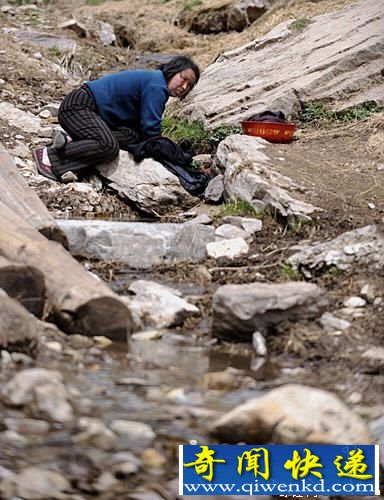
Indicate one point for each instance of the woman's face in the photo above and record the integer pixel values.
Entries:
(181, 83)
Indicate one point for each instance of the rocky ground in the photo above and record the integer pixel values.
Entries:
(341, 165)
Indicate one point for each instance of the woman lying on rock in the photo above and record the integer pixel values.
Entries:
(106, 115)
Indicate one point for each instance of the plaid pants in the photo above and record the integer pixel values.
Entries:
(93, 142)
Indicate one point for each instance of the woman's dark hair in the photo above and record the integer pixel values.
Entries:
(177, 64)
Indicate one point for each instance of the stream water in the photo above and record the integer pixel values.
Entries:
(177, 381)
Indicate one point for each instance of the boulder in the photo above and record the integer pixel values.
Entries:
(249, 175)
(245, 12)
(206, 19)
(292, 414)
(222, 15)
(158, 306)
(239, 310)
(147, 184)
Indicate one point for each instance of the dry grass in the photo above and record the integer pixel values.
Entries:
(374, 125)
(376, 144)
(155, 29)
(294, 9)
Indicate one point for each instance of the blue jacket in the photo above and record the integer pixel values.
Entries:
(132, 98)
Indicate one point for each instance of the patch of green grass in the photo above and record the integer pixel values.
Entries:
(287, 273)
(217, 134)
(240, 208)
(55, 51)
(316, 113)
(299, 24)
(178, 130)
(94, 2)
(298, 226)
(333, 272)
(360, 112)
(194, 135)
(192, 3)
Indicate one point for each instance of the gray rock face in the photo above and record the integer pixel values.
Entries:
(148, 184)
(249, 176)
(363, 247)
(338, 56)
(239, 310)
(138, 244)
(292, 414)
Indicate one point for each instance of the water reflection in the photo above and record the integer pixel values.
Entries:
(170, 355)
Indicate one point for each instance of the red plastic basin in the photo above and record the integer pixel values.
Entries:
(272, 132)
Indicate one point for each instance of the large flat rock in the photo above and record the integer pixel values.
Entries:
(338, 56)
(138, 244)
(147, 184)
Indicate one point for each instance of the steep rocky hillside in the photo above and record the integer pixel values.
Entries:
(69, 429)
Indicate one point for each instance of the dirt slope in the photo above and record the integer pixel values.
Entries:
(341, 165)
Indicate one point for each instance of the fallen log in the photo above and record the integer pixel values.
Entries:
(23, 283)
(19, 197)
(81, 302)
(17, 325)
